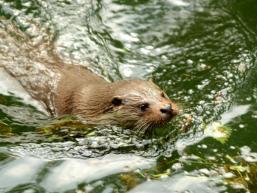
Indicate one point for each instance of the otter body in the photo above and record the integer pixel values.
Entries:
(73, 80)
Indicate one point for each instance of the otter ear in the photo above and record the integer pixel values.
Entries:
(117, 101)
(150, 79)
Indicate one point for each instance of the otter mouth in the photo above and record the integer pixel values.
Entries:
(168, 116)
(147, 126)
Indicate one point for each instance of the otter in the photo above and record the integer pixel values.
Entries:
(74, 89)
(137, 104)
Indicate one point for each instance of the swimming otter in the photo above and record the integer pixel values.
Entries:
(72, 89)
(127, 103)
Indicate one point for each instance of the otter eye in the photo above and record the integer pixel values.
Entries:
(144, 106)
(116, 101)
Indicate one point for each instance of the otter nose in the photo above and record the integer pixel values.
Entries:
(166, 108)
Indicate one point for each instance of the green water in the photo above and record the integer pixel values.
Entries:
(202, 53)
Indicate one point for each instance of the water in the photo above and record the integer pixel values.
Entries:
(202, 53)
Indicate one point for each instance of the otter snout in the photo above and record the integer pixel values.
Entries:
(166, 108)
(168, 111)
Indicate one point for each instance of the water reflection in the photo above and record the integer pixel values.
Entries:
(182, 183)
(66, 174)
(19, 171)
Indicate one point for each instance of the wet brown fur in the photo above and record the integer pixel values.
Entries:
(83, 93)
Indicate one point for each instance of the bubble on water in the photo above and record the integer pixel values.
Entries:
(254, 115)
(204, 146)
(177, 166)
(189, 62)
(179, 2)
(228, 175)
(201, 102)
(203, 84)
(247, 178)
(201, 66)
(230, 75)
(210, 96)
(211, 158)
(187, 98)
(190, 91)
(249, 98)
(247, 155)
(241, 126)
(164, 57)
(205, 171)
(235, 61)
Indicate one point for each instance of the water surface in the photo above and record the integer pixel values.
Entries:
(202, 53)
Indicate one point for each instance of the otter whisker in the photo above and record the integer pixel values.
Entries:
(142, 126)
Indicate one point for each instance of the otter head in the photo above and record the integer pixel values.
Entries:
(140, 104)
(136, 104)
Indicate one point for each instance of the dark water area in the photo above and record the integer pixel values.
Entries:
(202, 53)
